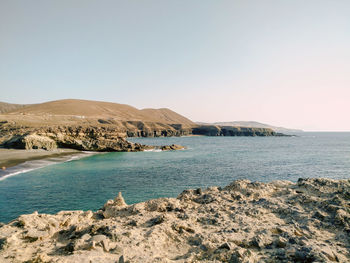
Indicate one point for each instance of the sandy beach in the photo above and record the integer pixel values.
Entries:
(13, 157)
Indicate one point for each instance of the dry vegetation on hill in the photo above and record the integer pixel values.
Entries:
(101, 110)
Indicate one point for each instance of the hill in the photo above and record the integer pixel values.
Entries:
(100, 126)
(102, 110)
(7, 107)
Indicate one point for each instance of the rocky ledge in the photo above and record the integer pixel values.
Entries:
(307, 221)
(218, 130)
(101, 139)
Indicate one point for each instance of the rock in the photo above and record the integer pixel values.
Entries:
(216, 130)
(157, 220)
(281, 242)
(172, 147)
(330, 255)
(240, 255)
(205, 199)
(3, 242)
(261, 241)
(199, 191)
(271, 222)
(112, 207)
(34, 234)
(31, 141)
(119, 200)
(182, 228)
(225, 246)
(69, 248)
(100, 240)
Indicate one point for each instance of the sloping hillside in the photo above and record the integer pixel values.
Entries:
(98, 109)
(65, 122)
(167, 116)
(7, 107)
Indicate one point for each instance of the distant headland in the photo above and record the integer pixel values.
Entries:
(101, 126)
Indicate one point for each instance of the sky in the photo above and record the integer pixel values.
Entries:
(286, 63)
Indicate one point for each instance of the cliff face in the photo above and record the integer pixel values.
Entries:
(79, 138)
(103, 135)
(214, 130)
(254, 124)
(281, 221)
(149, 129)
(100, 126)
(88, 138)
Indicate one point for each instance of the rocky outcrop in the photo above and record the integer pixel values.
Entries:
(99, 139)
(281, 221)
(31, 141)
(215, 130)
(105, 134)
(86, 139)
(172, 147)
(141, 129)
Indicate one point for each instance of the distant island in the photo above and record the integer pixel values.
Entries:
(101, 126)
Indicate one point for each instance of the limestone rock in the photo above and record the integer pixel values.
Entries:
(112, 207)
(31, 141)
(119, 200)
(172, 147)
(279, 221)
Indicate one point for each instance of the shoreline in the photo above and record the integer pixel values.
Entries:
(16, 161)
(19, 161)
(280, 221)
(13, 157)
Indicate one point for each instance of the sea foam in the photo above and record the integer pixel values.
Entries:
(37, 164)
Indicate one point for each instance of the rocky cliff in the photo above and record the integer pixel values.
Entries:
(254, 124)
(215, 130)
(281, 221)
(100, 126)
(90, 138)
(101, 134)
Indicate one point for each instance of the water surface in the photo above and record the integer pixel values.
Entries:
(87, 183)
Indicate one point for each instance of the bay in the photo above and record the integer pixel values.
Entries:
(87, 183)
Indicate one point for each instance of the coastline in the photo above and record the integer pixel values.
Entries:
(17, 161)
(245, 221)
(12, 157)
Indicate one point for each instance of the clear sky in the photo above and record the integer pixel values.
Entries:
(275, 61)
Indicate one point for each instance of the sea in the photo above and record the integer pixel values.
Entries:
(86, 182)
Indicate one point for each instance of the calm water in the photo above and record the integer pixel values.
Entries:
(87, 183)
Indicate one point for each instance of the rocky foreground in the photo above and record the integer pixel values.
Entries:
(307, 221)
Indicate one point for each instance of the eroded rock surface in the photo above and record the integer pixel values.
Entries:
(308, 221)
(92, 138)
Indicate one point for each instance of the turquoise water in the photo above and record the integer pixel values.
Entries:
(87, 183)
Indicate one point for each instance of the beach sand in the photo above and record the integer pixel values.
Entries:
(13, 157)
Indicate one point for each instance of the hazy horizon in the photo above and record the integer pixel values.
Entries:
(276, 62)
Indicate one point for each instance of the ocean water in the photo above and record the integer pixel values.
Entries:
(87, 183)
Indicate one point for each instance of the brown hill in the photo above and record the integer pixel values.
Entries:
(7, 107)
(99, 109)
(167, 116)
(83, 124)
